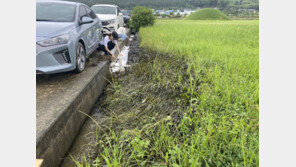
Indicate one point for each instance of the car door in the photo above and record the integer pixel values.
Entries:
(95, 34)
(84, 29)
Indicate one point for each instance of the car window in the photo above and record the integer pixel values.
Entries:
(125, 13)
(118, 10)
(55, 12)
(82, 12)
(104, 9)
(91, 13)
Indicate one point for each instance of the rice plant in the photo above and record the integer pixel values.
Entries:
(223, 65)
(191, 100)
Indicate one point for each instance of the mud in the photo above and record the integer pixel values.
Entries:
(133, 100)
(85, 146)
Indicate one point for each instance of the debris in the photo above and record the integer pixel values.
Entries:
(119, 65)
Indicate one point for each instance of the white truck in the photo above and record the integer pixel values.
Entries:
(110, 16)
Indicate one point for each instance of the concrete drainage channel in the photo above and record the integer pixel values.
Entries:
(85, 144)
(63, 104)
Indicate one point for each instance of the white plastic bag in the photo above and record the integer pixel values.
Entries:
(122, 60)
(121, 68)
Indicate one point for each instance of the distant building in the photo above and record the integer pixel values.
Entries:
(182, 12)
(241, 10)
(252, 10)
(168, 12)
(187, 12)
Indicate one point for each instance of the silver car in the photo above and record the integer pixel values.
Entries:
(66, 34)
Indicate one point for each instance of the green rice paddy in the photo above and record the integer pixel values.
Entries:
(223, 58)
(192, 101)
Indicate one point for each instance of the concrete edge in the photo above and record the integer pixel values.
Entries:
(53, 145)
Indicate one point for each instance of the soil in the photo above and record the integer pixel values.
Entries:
(85, 145)
(132, 101)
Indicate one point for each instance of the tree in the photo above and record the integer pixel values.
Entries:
(176, 4)
(178, 15)
(222, 3)
(213, 3)
(141, 17)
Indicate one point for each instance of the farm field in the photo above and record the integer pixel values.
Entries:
(191, 100)
(223, 58)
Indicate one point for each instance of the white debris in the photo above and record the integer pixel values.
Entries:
(131, 38)
(122, 61)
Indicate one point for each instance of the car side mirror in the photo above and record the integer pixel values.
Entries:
(120, 14)
(86, 20)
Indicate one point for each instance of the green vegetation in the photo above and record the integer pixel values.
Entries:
(191, 100)
(141, 17)
(223, 65)
(177, 4)
(208, 14)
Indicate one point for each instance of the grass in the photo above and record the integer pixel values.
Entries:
(191, 100)
(208, 14)
(223, 57)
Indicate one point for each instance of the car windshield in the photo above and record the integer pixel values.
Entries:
(104, 9)
(55, 12)
(125, 13)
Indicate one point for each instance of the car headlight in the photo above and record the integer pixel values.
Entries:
(62, 39)
(111, 21)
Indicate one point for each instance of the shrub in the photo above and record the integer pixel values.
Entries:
(208, 14)
(141, 16)
(178, 15)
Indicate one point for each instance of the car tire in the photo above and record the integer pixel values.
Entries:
(80, 58)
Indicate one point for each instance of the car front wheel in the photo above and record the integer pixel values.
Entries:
(80, 58)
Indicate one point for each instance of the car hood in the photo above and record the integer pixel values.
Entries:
(104, 17)
(51, 29)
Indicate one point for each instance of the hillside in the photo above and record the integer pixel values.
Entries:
(176, 4)
(208, 14)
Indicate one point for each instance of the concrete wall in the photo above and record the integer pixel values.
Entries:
(59, 99)
(53, 143)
